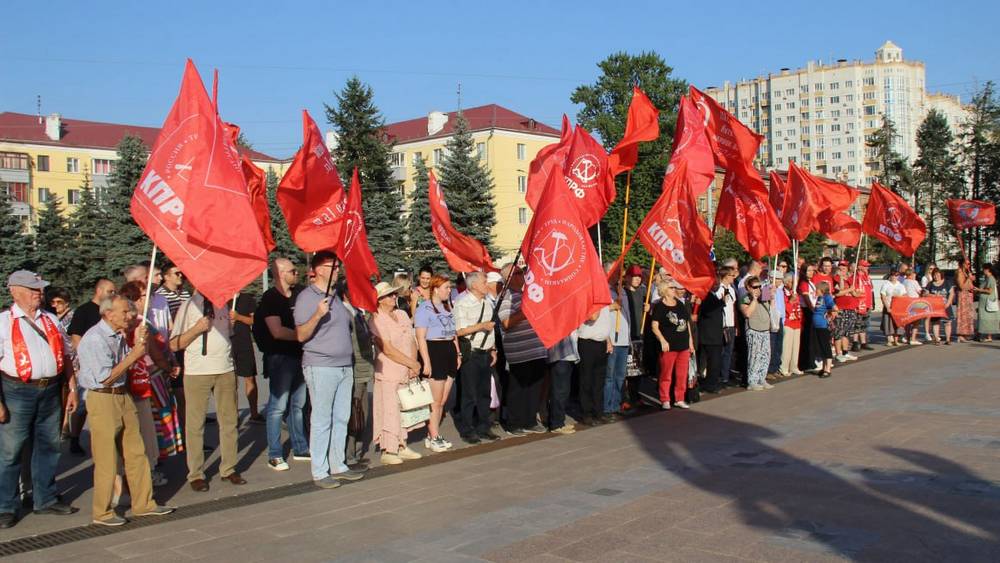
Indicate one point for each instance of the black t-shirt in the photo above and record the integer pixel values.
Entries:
(84, 318)
(673, 323)
(274, 304)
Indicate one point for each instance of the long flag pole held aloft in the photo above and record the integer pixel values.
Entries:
(621, 267)
(149, 282)
(649, 290)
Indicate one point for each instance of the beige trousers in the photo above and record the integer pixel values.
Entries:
(197, 388)
(113, 418)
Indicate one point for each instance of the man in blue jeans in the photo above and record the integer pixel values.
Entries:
(274, 332)
(323, 326)
(621, 337)
(35, 353)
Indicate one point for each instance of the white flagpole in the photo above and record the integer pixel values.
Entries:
(600, 252)
(149, 282)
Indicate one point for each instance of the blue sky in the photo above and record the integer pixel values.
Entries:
(122, 61)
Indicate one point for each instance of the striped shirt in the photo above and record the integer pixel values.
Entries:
(520, 342)
(174, 298)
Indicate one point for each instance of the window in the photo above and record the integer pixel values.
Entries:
(869, 81)
(481, 151)
(851, 154)
(804, 89)
(13, 161)
(818, 87)
(835, 127)
(72, 164)
(834, 99)
(438, 156)
(805, 103)
(777, 107)
(850, 112)
(850, 127)
(790, 133)
(819, 114)
(522, 215)
(395, 159)
(790, 92)
(819, 155)
(16, 191)
(777, 121)
(522, 184)
(522, 151)
(44, 195)
(417, 156)
(793, 146)
(805, 115)
(42, 163)
(849, 84)
(805, 130)
(818, 102)
(778, 147)
(849, 98)
(869, 95)
(805, 144)
(790, 105)
(869, 110)
(836, 141)
(836, 169)
(836, 156)
(852, 168)
(103, 166)
(792, 159)
(781, 160)
(73, 197)
(791, 119)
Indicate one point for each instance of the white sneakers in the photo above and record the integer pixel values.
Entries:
(682, 405)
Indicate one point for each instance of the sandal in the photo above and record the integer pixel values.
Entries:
(824, 374)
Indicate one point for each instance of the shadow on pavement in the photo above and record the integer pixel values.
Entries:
(939, 511)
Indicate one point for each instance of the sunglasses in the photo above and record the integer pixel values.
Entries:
(754, 287)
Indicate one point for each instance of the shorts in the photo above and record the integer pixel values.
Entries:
(444, 359)
(861, 327)
(845, 323)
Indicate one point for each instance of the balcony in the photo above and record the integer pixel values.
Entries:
(399, 173)
(98, 181)
(15, 175)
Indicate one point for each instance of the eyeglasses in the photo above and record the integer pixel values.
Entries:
(754, 287)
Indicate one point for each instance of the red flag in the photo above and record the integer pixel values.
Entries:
(256, 181)
(807, 196)
(891, 220)
(744, 210)
(311, 195)
(587, 177)
(548, 161)
(355, 253)
(257, 188)
(776, 193)
(840, 227)
(463, 253)
(966, 213)
(733, 143)
(642, 125)
(564, 281)
(691, 145)
(193, 168)
(677, 236)
(905, 310)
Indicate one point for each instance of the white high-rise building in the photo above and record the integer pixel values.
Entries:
(820, 116)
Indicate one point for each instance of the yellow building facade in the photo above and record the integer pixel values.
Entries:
(46, 157)
(506, 141)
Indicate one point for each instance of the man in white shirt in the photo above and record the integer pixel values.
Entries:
(727, 294)
(474, 328)
(35, 356)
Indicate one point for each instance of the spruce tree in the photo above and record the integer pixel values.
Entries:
(893, 171)
(605, 112)
(468, 186)
(127, 244)
(54, 246)
(362, 143)
(980, 142)
(424, 249)
(283, 245)
(937, 178)
(15, 246)
(88, 225)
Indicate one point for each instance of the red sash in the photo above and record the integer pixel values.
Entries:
(21, 357)
(139, 384)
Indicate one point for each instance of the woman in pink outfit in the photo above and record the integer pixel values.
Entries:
(395, 364)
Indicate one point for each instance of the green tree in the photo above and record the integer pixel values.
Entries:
(15, 245)
(468, 186)
(892, 169)
(936, 178)
(980, 143)
(283, 245)
(726, 246)
(127, 244)
(605, 111)
(423, 247)
(88, 225)
(55, 246)
(362, 143)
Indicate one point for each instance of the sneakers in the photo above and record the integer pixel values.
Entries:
(390, 459)
(436, 445)
(516, 432)
(767, 385)
(158, 510)
(489, 436)
(756, 387)
(301, 457)
(665, 405)
(112, 522)
(682, 405)
(277, 464)
(327, 482)
(841, 359)
(564, 429)
(850, 357)
(916, 342)
(350, 475)
(407, 454)
(536, 429)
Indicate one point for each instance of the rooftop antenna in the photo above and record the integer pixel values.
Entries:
(460, 97)
(38, 104)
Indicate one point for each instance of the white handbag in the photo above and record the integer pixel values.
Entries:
(415, 394)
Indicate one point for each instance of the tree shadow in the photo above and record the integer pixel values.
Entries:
(829, 509)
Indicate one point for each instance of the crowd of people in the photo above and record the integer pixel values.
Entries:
(140, 360)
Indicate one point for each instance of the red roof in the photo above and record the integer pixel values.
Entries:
(480, 118)
(24, 128)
